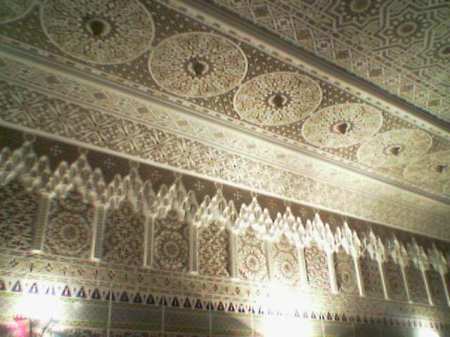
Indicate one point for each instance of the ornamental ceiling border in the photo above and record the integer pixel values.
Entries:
(323, 30)
(373, 208)
(390, 175)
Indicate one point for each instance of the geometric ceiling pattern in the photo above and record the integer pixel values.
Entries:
(175, 55)
(402, 47)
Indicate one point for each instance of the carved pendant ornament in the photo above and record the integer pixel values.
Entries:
(277, 98)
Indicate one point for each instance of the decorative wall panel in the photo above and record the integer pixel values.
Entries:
(18, 212)
(345, 273)
(171, 245)
(252, 258)
(416, 285)
(371, 277)
(394, 281)
(214, 251)
(317, 268)
(285, 263)
(124, 235)
(436, 288)
(69, 226)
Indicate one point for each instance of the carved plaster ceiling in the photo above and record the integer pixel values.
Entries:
(189, 85)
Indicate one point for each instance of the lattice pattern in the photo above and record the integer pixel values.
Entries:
(394, 281)
(124, 236)
(213, 251)
(18, 209)
(69, 228)
(317, 268)
(371, 277)
(345, 273)
(171, 249)
(416, 286)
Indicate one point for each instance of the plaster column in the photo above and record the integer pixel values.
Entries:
(302, 267)
(269, 257)
(233, 255)
(383, 279)
(40, 224)
(98, 232)
(444, 284)
(193, 251)
(425, 281)
(359, 281)
(332, 272)
(148, 241)
(405, 281)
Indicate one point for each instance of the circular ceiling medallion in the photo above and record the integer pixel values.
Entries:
(342, 125)
(11, 10)
(198, 65)
(101, 31)
(394, 148)
(430, 169)
(277, 98)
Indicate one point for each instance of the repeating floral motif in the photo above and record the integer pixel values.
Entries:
(436, 288)
(198, 65)
(252, 260)
(394, 148)
(285, 263)
(342, 125)
(18, 210)
(103, 31)
(345, 273)
(416, 286)
(371, 277)
(11, 10)
(69, 227)
(394, 281)
(213, 250)
(171, 248)
(277, 98)
(124, 236)
(317, 268)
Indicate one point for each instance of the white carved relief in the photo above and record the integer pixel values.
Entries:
(181, 205)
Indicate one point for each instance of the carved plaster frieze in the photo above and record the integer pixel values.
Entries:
(165, 119)
(81, 177)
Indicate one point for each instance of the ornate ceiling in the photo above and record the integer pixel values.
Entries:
(192, 86)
